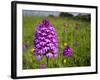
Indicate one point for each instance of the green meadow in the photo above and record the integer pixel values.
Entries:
(70, 31)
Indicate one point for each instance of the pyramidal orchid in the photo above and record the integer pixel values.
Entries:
(67, 51)
(45, 41)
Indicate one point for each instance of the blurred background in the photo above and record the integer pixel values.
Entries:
(72, 28)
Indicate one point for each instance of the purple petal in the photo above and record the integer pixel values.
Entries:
(39, 57)
(55, 55)
(49, 55)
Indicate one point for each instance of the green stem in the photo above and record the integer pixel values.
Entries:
(47, 61)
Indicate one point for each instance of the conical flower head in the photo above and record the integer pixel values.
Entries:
(45, 41)
(67, 51)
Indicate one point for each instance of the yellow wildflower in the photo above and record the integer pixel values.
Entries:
(65, 44)
(32, 50)
(64, 61)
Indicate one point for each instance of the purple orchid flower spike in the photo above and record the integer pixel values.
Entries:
(42, 66)
(45, 41)
(25, 46)
(77, 43)
(67, 51)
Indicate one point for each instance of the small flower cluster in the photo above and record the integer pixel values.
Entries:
(25, 46)
(67, 51)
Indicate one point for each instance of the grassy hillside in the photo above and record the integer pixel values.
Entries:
(75, 33)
